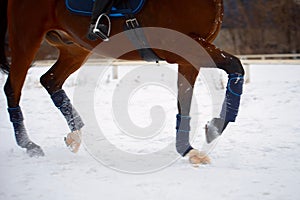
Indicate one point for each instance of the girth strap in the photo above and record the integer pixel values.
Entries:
(136, 35)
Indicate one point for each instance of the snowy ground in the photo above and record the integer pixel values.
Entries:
(256, 158)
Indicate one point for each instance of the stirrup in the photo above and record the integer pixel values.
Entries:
(99, 32)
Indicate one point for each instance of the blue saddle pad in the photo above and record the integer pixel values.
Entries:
(84, 7)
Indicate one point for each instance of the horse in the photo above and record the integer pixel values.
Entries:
(30, 21)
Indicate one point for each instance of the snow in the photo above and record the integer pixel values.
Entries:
(256, 158)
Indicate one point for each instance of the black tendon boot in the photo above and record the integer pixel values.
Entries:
(230, 107)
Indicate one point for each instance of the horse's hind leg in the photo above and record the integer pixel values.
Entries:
(23, 52)
(187, 75)
(4, 66)
(70, 59)
(233, 67)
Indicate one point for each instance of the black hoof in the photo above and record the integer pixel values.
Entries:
(34, 150)
(214, 129)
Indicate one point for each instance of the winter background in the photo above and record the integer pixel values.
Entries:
(256, 158)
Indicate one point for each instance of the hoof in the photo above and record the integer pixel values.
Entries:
(197, 158)
(73, 141)
(214, 129)
(34, 150)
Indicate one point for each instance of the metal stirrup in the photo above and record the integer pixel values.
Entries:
(96, 30)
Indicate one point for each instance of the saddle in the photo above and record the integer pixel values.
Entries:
(84, 7)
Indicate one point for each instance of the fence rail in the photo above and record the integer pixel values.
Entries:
(263, 59)
(246, 59)
(292, 59)
(270, 56)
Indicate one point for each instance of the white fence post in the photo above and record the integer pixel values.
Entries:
(247, 73)
(115, 71)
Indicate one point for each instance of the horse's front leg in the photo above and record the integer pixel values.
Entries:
(12, 88)
(4, 66)
(233, 67)
(71, 58)
(187, 75)
(24, 43)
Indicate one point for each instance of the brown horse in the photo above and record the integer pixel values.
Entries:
(30, 21)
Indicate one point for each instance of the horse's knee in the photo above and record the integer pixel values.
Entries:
(10, 95)
(50, 83)
(7, 88)
(44, 80)
(233, 66)
(237, 66)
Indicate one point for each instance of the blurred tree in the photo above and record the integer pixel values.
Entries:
(261, 26)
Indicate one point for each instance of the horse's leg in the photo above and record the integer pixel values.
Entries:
(187, 75)
(70, 59)
(4, 66)
(22, 53)
(233, 67)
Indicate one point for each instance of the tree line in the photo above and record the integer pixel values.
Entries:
(260, 26)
